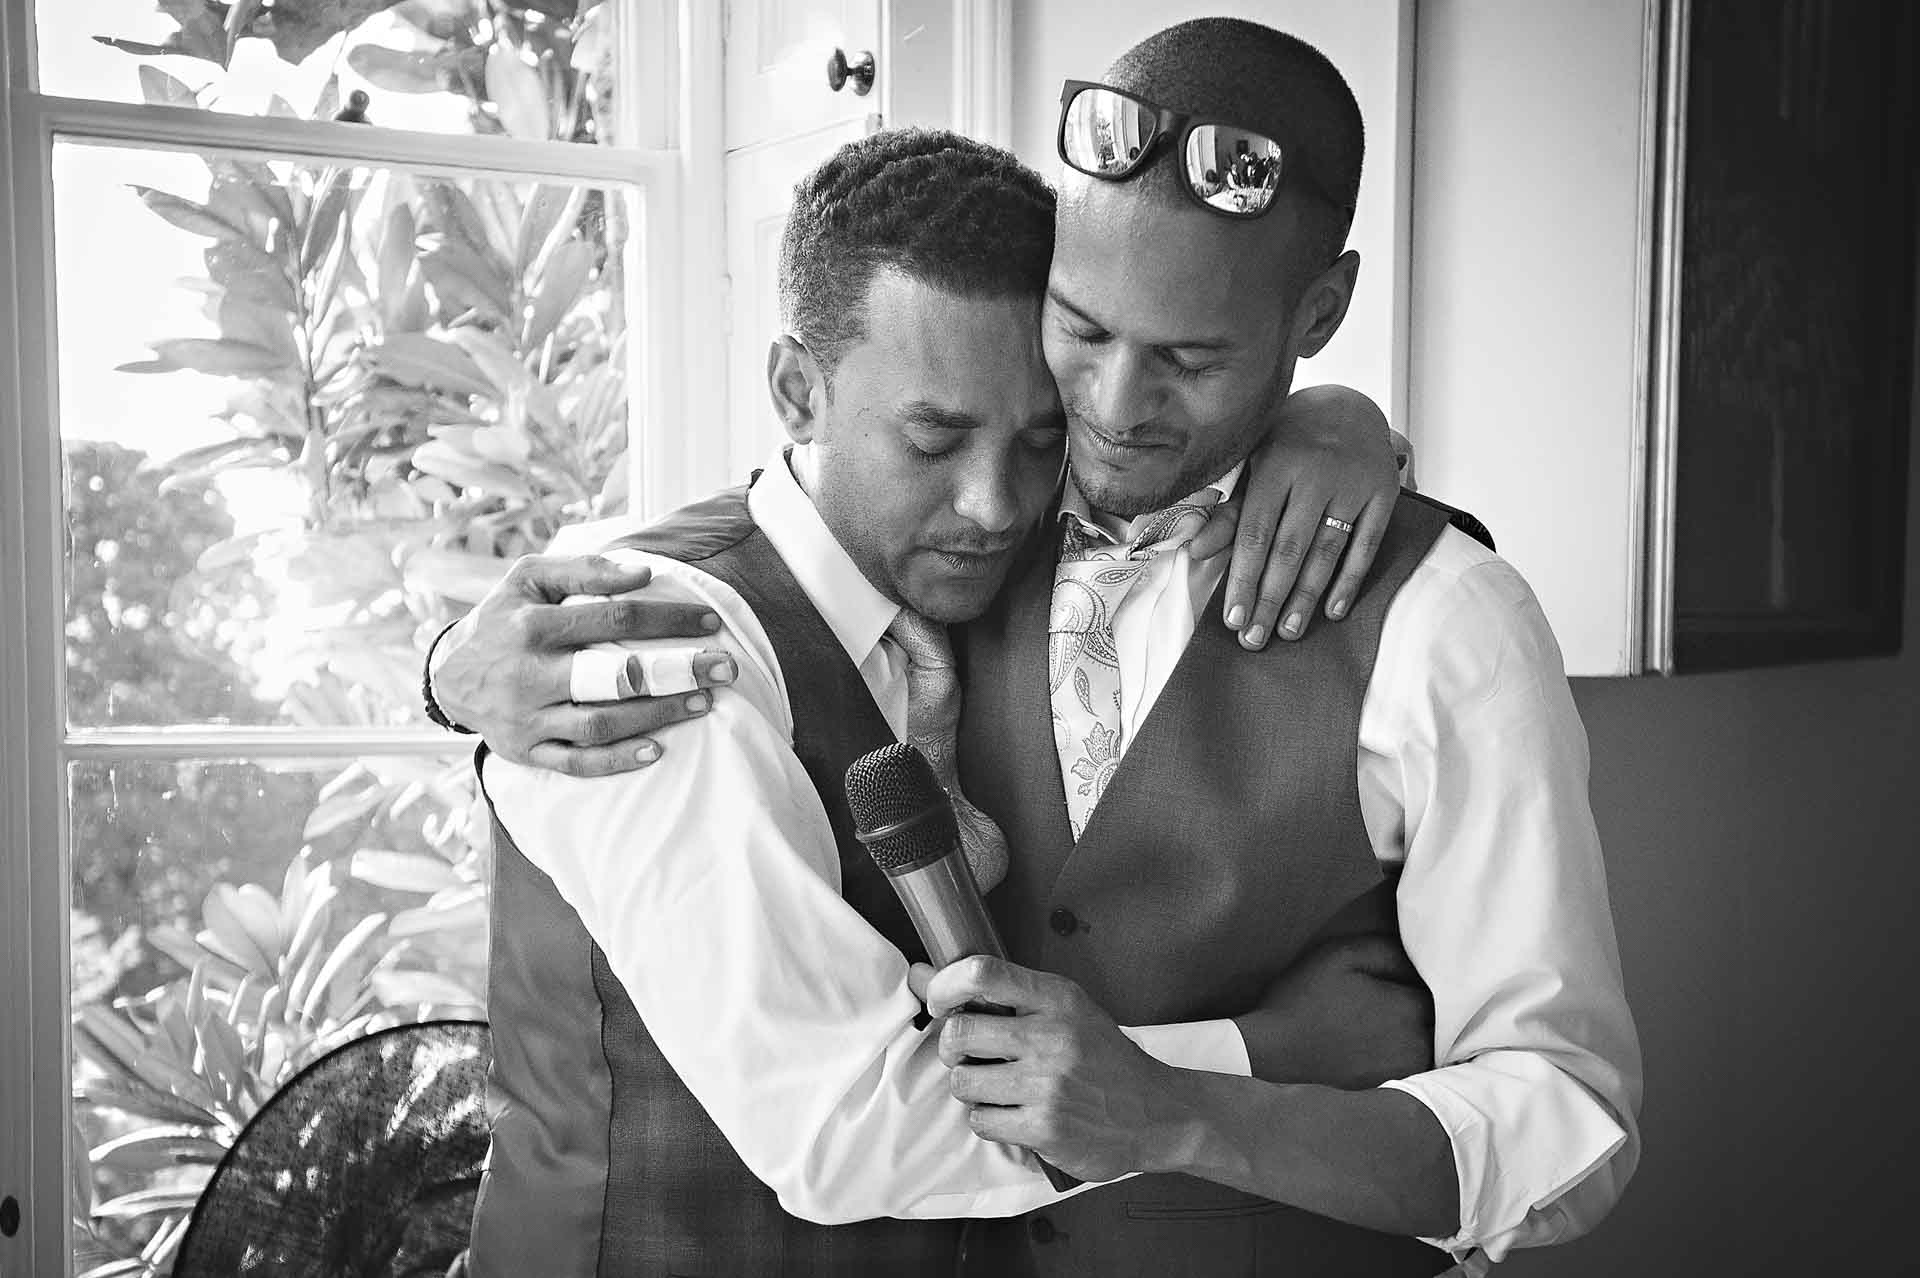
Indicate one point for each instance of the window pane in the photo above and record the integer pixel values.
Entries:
(309, 416)
(533, 69)
(231, 923)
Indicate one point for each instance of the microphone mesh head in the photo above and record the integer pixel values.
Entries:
(892, 785)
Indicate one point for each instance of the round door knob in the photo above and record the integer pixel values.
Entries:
(860, 71)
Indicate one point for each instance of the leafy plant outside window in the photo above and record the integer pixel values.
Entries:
(437, 368)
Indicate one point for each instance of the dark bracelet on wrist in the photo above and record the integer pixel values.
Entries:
(434, 712)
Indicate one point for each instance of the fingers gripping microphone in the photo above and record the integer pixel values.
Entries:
(903, 817)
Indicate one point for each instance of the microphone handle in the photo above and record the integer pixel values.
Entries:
(944, 903)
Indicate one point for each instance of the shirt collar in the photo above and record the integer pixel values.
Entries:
(1118, 531)
(857, 613)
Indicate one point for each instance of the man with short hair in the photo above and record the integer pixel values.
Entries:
(1208, 815)
(1216, 803)
(707, 1056)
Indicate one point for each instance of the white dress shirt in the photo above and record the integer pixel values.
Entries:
(711, 880)
(1473, 780)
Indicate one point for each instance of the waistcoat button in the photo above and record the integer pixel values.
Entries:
(1063, 921)
(1041, 1230)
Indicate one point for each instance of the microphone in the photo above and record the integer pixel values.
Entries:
(903, 817)
(905, 820)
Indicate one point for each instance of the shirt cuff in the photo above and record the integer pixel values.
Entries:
(1215, 1046)
(1513, 1160)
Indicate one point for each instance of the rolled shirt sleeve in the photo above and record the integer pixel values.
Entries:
(1474, 779)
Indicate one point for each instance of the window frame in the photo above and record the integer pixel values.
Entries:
(676, 349)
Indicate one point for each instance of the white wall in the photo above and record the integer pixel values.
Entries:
(1529, 306)
(1369, 40)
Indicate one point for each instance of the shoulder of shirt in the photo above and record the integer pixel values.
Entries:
(1463, 614)
(758, 680)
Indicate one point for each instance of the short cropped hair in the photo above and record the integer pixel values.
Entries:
(960, 215)
(1232, 69)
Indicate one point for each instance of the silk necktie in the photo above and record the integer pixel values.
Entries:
(1083, 666)
(933, 717)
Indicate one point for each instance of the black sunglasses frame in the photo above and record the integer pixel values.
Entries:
(1178, 126)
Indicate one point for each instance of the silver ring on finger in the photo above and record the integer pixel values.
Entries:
(1339, 525)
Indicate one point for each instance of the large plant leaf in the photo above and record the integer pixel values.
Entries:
(413, 359)
(500, 363)
(537, 243)
(539, 219)
(399, 71)
(197, 219)
(314, 917)
(518, 93)
(298, 29)
(246, 921)
(240, 15)
(197, 463)
(160, 1248)
(160, 89)
(467, 278)
(246, 270)
(602, 394)
(403, 871)
(257, 183)
(450, 911)
(202, 33)
(453, 211)
(223, 1056)
(152, 1202)
(566, 274)
(135, 1059)
(328, 216)
(152, 1149)
(337, 963)
(130, 1097)
(219, 356)
(437, 457)
(396, 257)
(257, 324)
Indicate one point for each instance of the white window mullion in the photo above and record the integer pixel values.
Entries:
(33, 877)
(273, 138)
(214, 743)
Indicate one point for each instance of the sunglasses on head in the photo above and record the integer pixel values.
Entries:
(1230, 170)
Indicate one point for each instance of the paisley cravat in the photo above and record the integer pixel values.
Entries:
(1093, 577)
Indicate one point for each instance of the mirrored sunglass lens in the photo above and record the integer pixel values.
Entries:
(1232, 169)
(1103, 133)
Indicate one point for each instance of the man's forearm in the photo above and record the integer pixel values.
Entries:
(1378, 1159)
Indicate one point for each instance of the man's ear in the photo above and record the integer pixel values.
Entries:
(797, 385)
(1324, 305)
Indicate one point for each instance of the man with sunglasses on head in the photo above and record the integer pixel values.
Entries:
(1217, 804)
(1209, 817)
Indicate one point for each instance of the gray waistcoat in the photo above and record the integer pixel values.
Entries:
(1230, 832)
(603, 1162)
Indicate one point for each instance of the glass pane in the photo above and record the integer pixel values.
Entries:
(534, 69)
(231, 923)
(310, 414)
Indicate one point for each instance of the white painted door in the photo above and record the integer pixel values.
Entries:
(783, 118)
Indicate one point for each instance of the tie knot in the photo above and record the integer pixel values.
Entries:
(1162, 530)
(924, 641)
